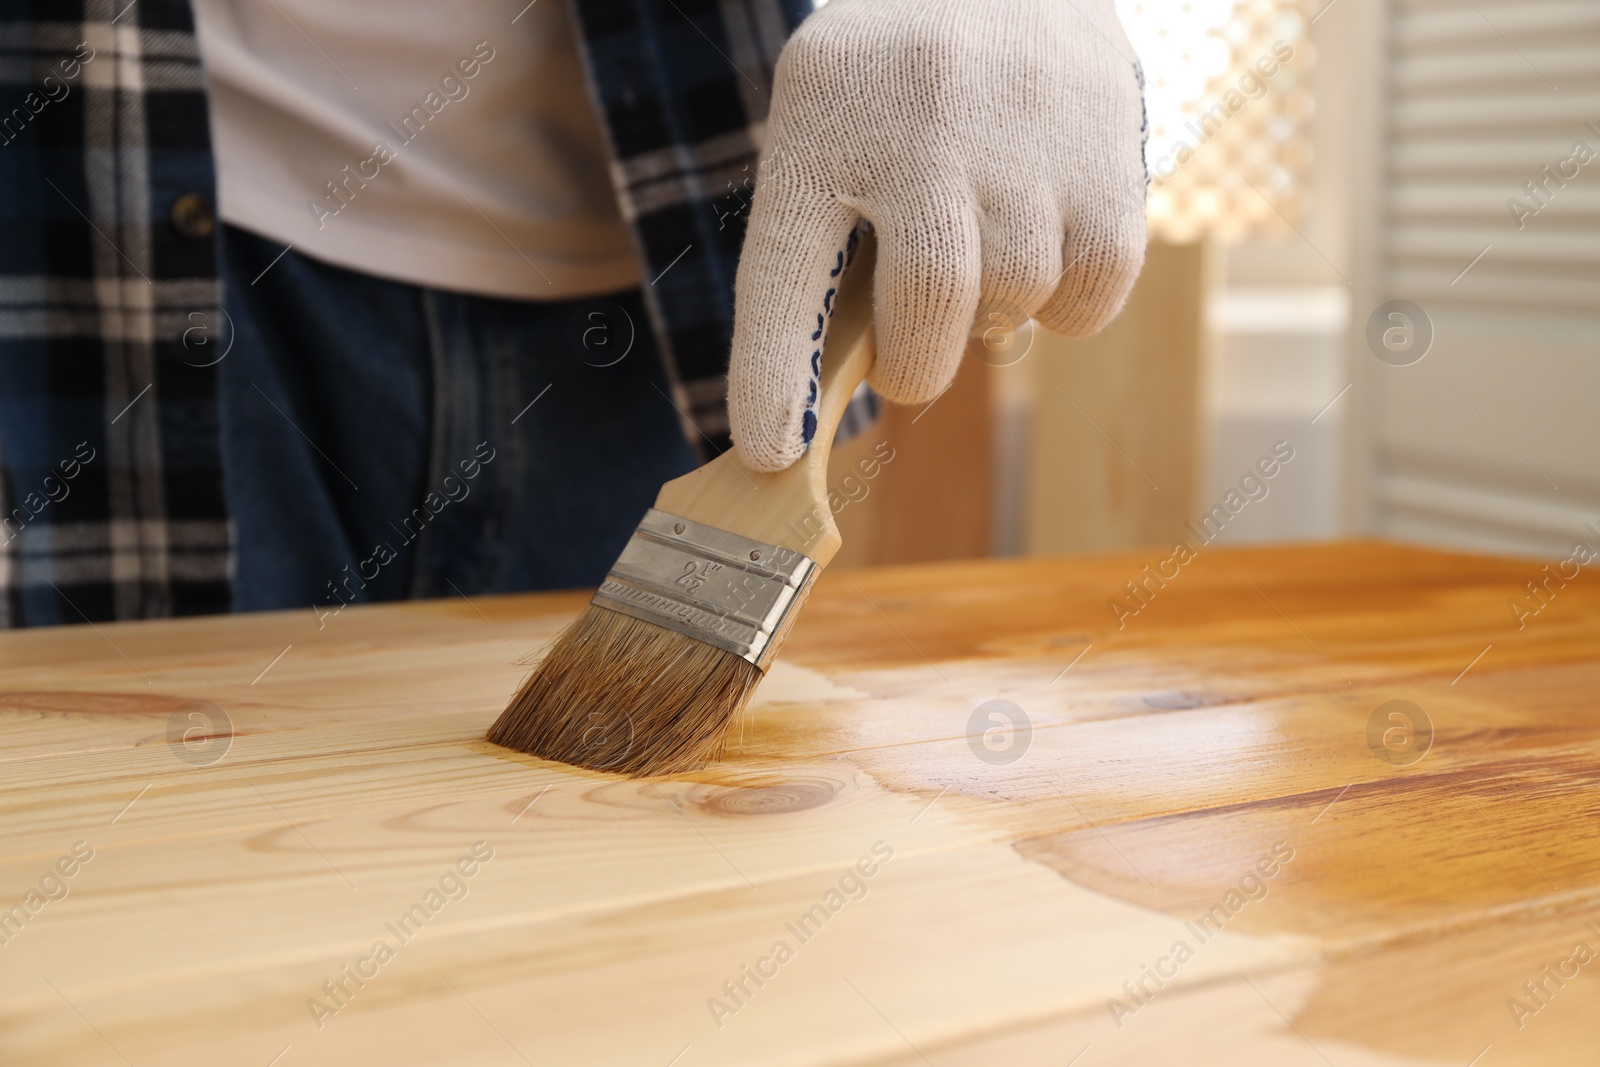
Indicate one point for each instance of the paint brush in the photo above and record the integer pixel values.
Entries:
(653, 676)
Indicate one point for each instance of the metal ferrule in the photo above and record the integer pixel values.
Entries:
(709, 584)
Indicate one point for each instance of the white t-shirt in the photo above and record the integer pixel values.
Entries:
(433, 143)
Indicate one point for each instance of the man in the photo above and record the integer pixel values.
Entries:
(476, 268)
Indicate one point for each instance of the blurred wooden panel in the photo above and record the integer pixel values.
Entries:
(934, 498)
(1115, 425)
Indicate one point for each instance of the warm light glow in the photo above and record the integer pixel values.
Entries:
(1227, 104)
(1182, 48)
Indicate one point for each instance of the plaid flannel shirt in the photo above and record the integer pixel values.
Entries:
(110, 469)
(111, 501)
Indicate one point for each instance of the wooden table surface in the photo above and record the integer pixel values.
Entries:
(1203, 842)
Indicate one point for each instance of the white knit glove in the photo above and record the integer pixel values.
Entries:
(997, 148)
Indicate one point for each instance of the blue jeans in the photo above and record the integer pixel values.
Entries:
(382, 440)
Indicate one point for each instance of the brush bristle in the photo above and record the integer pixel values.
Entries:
(618, 694)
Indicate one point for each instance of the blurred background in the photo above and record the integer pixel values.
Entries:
(1375, 238)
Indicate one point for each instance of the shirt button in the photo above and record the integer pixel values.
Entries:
(194, 216)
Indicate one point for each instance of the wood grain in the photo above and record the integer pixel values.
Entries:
(338, 777)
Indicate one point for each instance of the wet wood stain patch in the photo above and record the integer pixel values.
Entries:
(949, 882)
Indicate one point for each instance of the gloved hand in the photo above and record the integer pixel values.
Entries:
(997, 148)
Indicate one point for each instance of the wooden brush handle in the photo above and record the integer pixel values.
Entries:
(790, 507)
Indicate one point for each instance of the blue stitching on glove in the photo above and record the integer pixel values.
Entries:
(1144, 121)
(808, 419)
